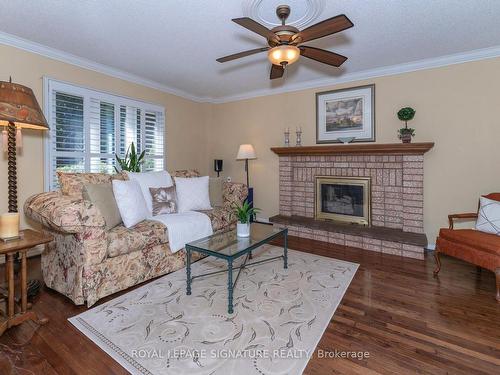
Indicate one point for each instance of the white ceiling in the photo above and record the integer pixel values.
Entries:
(174, 43)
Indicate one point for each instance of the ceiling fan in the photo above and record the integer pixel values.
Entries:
(285, 41)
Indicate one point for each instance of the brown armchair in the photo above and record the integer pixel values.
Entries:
(479, 248)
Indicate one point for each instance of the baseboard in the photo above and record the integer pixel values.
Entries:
(431, 247)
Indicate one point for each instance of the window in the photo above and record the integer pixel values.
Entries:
(88, 127)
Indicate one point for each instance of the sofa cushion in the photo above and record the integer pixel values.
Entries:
(482, 241)
(192, 193)
(186, 173)
(101, 196)
(164, 200)
(145, 234)
(72, 183)
(130, 202)
(221, 218)
(147, 180)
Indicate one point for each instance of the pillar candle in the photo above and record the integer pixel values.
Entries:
(9, 225)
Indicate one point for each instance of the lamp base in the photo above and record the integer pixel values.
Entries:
(12, 166)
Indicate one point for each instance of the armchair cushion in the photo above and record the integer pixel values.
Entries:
(63, 213)
(489, 216)
(487, 242)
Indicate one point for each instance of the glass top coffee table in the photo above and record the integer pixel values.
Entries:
(229, 247)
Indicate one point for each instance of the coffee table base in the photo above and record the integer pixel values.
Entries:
(230, 284)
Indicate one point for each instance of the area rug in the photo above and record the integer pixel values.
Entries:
(279, 317)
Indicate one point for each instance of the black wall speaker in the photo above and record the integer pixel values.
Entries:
(218, 166)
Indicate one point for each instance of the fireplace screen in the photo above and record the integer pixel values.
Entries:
(345, 199)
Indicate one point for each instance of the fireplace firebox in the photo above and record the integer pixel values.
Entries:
(345, 199)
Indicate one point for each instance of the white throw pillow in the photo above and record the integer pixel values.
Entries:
(488, 219)
(148, 180)
(192, 193)
(130, 202)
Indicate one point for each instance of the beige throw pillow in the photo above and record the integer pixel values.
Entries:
(101, 196)
(215, 190)
(164, 200)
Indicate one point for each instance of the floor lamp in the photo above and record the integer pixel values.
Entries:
(18, 109)
(247, 152)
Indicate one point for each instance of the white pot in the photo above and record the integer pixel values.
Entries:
(243, 230)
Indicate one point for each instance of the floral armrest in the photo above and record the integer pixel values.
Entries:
(63, 213)
(233, 193)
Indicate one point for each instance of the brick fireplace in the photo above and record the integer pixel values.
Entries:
(396, 172)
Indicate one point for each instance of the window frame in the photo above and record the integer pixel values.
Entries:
(50, 85)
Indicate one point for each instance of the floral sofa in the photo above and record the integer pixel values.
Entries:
(86, 262)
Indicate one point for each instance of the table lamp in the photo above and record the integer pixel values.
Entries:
(246, 152)
(18, 109)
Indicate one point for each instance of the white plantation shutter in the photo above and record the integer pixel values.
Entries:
(153, 143)
(102, 137)
(88, 127)
(130, 128)
(67, 135)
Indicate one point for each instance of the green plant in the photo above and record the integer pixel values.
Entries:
(245, 212)
(131, 162)
(406, 114)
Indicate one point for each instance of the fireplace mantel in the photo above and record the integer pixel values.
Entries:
(357, 149)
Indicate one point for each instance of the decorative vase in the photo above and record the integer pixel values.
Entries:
(243, 229)
(406, 137)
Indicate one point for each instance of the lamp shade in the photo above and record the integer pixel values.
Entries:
(246, 152)
(284, 54)
(19, 105)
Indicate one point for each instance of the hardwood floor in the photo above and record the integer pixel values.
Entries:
(407, 320)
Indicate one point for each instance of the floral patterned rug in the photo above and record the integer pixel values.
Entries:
(279, 317)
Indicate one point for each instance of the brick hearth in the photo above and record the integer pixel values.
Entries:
(397, 175)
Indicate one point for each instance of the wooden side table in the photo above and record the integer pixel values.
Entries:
(30, 239)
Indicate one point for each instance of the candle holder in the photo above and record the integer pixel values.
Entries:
(9, 227)
(287, 137)
(298, 133)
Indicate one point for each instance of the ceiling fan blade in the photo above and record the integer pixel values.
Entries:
(241, 54)
(276, 71)
(323, 56)
(256, 27)
(327, 27)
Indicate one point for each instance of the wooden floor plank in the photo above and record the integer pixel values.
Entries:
(408, 321)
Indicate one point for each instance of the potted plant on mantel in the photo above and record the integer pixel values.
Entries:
(244, 213)
(406, 114)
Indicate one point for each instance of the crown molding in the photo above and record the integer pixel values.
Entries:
(52, 53)
(458, 58)
(435, 62)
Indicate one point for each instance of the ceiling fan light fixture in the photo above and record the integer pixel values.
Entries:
(283, 54)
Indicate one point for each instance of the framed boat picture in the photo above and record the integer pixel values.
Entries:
(348, 114)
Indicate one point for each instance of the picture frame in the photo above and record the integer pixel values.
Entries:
(346, 113)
